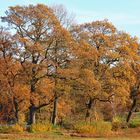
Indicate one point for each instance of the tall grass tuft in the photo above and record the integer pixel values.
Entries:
(96, 128)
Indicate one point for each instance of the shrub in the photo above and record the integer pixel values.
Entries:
(11, 129)
(85, 128)
(56, 127)
(103, 128)
(134, 123)
(5, 129)
(17, 128)
(98, 128)
(118, 123)
(40, 127)
(22, 119)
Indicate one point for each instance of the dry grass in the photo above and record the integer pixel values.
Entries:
(128, 134)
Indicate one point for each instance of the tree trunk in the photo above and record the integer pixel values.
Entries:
(32, 108)
(54, 113)
(89, 106)
(32, 111)
(16, 110)
(131, 110)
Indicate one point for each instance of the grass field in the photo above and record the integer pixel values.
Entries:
(72, 139)
(54, 137)
(66, 138)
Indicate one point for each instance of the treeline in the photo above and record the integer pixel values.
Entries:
(56, 71)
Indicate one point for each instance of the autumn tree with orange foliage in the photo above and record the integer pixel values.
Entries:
(46, 60)
(111, 51)
(11, 87)
(43, 46)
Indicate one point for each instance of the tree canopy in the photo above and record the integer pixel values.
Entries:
(48, 65)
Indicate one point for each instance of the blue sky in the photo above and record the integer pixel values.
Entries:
(124, 14)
